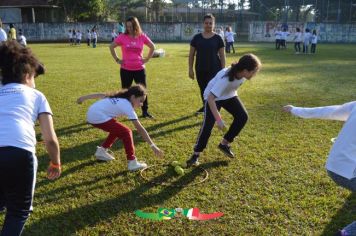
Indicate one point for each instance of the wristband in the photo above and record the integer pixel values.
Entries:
(58, 166)
(117, 60)
(219, 119)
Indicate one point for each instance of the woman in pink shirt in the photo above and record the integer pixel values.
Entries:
(132, 62)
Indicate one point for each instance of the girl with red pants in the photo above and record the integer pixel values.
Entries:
(102, 115)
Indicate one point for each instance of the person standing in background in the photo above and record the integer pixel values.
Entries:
(229, 36)
(297, 40)
(314, 41)
(12, 32)
(132, 64)
(3, 35)
(208, 47)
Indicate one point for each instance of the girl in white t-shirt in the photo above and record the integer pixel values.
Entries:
(314, 41)
(20, 106)
(229, 39)
(307, 36)
(297, 40)
(222, 92)
(341, 163)
(102, 115)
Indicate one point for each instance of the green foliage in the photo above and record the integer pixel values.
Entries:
(86, 10)
(277, 184)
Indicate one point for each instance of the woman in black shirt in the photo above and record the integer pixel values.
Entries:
(210, 55)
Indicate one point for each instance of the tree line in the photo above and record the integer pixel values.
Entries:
(340, 11)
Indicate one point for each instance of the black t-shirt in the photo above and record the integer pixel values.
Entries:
(207, 58)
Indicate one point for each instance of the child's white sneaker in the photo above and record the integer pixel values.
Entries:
(135, 165)
(102, 154)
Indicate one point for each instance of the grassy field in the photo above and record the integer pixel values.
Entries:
(277, 184)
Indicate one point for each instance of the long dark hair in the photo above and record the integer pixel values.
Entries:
(137, 90)
(16, 61)
(249, 62)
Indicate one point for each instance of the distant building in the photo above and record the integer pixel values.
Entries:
(30, 11)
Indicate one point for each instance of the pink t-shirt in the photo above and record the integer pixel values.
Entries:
(132, 49)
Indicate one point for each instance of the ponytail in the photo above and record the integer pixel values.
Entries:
(249, 62)
(136, 90)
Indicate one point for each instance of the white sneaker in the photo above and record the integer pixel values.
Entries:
(135, 165)
(103, 155)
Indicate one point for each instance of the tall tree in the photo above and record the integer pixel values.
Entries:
(84, 10)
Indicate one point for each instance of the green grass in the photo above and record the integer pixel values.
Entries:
(277, 185)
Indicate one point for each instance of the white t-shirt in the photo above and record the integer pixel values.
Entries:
(298, 37)
(79, 35)
(229, 36)
(109, 108)
(3, 35)
(278, 34)
(307, 36)
(221, 87)
(20, 107)
(222, 35)
(342, 156)
(284, 35)
(314, 39)
(22, 40)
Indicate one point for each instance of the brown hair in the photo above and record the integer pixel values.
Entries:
(16, 61)
(209, 16)
(135, 25)
(137, 90)
(249, 62)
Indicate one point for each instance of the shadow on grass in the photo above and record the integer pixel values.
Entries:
(346, 215)
(67, 131)
(82, 151)
(73, 220)
(87, 150)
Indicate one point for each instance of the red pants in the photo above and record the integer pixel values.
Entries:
(118, 131)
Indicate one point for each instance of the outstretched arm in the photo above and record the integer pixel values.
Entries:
(51, 143)
(337, 112)
(214, 110)
(81, 99)
(142, 131)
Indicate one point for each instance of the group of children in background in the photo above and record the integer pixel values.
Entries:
(301, 41)
(12, 35)
(75, 37)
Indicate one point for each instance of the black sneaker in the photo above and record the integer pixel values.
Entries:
(226, 150)
(193, 161)
(147, 115)
(200, 111)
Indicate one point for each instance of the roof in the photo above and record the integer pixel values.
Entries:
(27, 3)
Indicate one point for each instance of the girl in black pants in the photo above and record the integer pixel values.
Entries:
(21, 105)
(222, 92)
